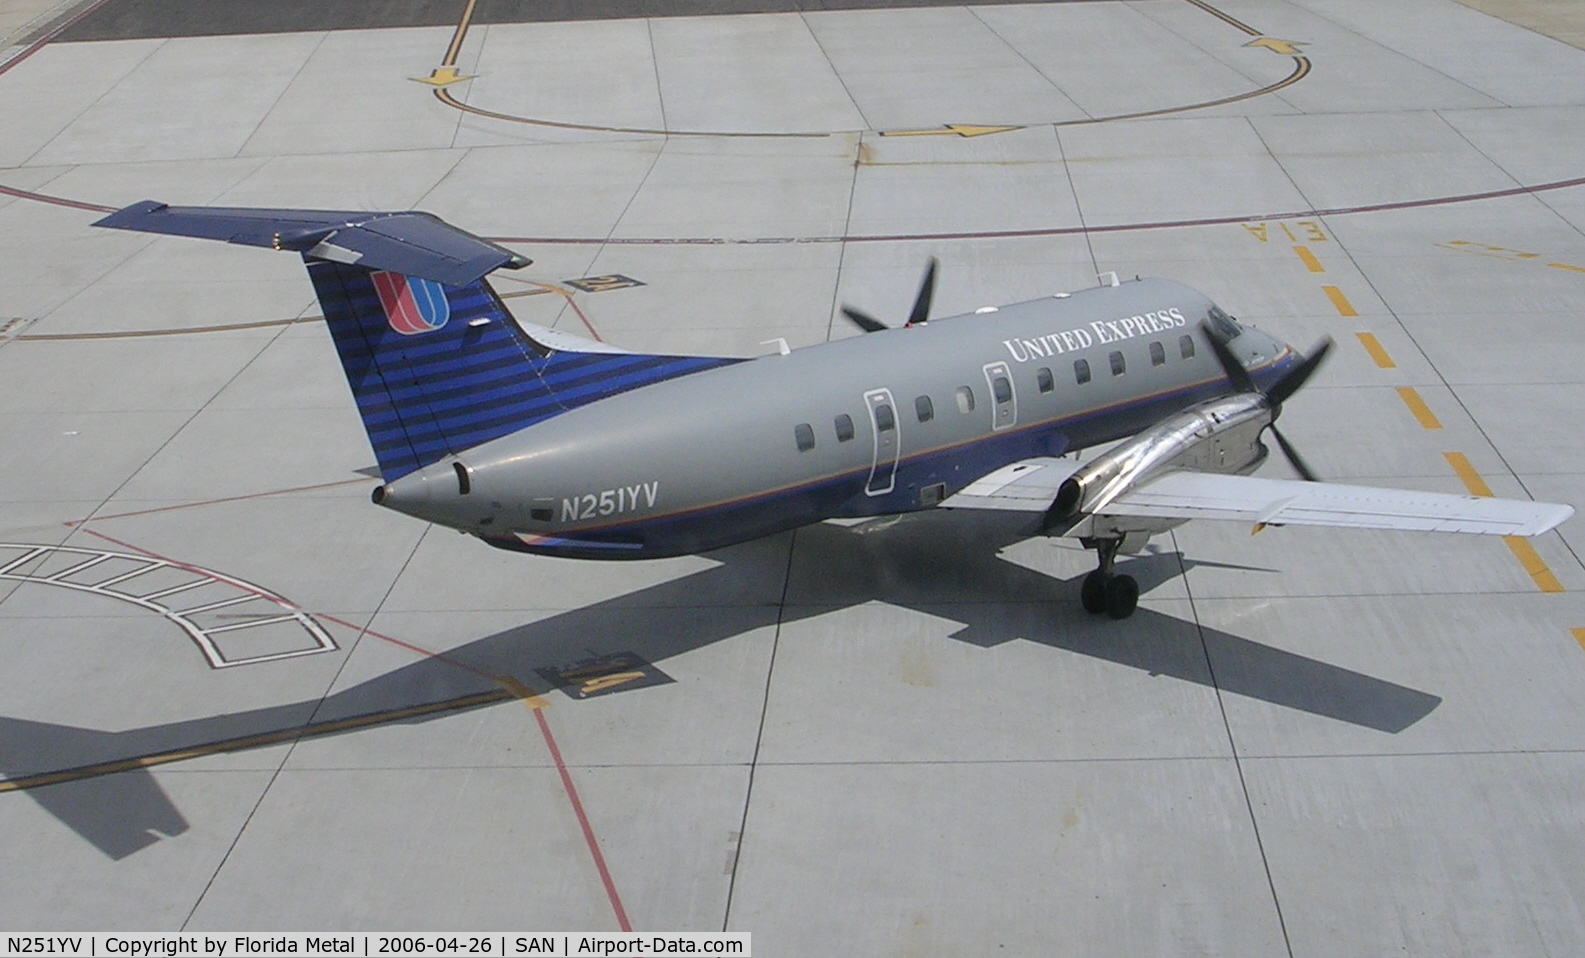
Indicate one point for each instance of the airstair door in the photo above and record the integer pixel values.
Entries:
(883, 426)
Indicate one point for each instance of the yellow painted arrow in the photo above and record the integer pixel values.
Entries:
(1288, 48)
(443, 76)
(953, 129)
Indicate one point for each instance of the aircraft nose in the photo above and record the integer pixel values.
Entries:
(1296, 356)
(1284, 352)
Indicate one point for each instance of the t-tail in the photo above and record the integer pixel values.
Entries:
(436, 363)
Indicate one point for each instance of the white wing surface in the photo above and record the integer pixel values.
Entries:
(1198, 495)
(1027, 486)
(1032, 484)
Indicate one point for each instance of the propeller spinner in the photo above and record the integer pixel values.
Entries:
(1279, 392)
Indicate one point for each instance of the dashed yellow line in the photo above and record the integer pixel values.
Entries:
(1533, 564)
(1503, 252)
(1309, 260)
(1579, 636)
(1465, 470)
(1377, 351)
(1417, 406)
(1522, 549)
(1344, 307)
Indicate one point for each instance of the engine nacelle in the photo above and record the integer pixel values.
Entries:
(1218, 435)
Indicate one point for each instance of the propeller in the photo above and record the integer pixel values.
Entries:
(917, 317)
(1279, 392)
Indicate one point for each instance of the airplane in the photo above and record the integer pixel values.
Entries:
(540, 441)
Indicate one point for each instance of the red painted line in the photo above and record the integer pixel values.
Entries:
(1052, 231)
(586, 324)
(539, 716)
(56, 200)
(920, 237)
(248, 587)
(555, 754)
(564, 294)
(210, 502)
(44, 40)
(420, 650)
(281, 600)
(583, 823)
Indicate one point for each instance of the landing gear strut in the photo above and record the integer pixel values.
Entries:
(1106, 591)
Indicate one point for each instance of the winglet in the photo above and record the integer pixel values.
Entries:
(411, 243)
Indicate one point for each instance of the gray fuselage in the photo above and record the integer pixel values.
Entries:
(882, 423)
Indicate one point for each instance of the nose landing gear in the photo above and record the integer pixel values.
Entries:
(1106, 591)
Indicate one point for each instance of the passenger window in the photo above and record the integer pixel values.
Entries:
(805, 435)
(1118, 366)
(924, 409)
(844, 425)
(1081, 371)
(965, 399)
(1158, 354)
(1043, 380)
(1002, 389)
(1186, 346)
(884, 420)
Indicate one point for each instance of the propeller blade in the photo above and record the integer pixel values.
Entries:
(1235, 370)
(927, 291)
(1294, 459)
(1296, 377)
(863, 320)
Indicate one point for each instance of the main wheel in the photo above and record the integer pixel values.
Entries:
(1122, 595)
(1093, 593)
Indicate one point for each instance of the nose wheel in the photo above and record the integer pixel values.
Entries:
(1106, 591)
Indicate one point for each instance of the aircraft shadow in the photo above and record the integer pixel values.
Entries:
(948, 569)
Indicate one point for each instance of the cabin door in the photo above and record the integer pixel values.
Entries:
(883, 426)
(1000, 379)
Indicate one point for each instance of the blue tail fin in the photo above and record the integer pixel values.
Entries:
(436, 363)
(437, 369)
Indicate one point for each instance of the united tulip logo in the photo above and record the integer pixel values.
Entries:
(412, 305)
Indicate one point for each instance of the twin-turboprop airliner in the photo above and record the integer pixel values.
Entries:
(536, 440)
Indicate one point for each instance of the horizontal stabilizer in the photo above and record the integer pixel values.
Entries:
(410, 243)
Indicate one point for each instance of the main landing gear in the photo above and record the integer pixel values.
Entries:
(1105, 590)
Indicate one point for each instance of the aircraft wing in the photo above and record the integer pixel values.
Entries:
(1027, 486)
(1032, 484)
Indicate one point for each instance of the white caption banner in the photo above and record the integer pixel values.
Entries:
(584, 944)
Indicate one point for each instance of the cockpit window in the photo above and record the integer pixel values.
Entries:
(1223, 326)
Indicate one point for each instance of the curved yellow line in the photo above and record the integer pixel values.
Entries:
(1301, 69)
